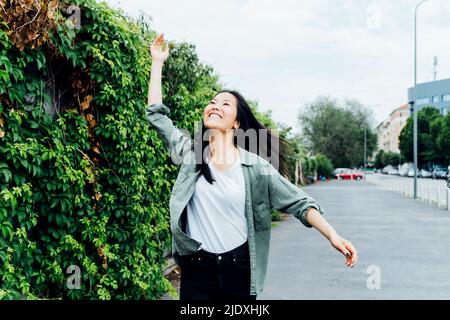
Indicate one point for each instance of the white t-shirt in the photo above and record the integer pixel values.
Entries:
(216, 213)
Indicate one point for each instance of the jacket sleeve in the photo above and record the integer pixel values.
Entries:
(176, 142)
(287, 197)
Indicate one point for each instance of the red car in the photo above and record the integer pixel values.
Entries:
(349, 175)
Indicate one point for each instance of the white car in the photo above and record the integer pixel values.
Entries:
(386, 169)
(393, 172)
(425, 174)
(448, 177)
(403, 171)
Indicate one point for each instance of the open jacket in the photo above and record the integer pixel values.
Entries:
(265, 190)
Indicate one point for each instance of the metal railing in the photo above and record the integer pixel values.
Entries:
(427, 190)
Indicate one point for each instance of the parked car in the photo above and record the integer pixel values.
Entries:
(311, 179)
(411, 173)
(350, 175)
(425, 174)
(386, 169)
(440, 173)
(393, 172)
(339, 170)
(448, 176)
(403, 171)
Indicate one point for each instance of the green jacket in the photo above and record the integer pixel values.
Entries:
(265, 190)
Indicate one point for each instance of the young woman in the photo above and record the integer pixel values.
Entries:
(221, 202)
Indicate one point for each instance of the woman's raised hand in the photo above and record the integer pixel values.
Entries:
(159, 50)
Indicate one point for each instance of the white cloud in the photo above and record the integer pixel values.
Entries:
(284, 53)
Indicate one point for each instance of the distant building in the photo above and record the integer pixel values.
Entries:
(389, 130)
(435, 94)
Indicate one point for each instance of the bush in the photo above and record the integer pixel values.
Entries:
(324, 166)
(379, 159)
(318, 166)
(392, 158)
(310, 167)
(84, 180)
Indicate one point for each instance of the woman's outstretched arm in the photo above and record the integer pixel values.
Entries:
(344, 246)
(154, 89)
(159, 52)
(177, 144)
(286, 197)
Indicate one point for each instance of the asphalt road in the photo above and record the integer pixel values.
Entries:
(403, 244)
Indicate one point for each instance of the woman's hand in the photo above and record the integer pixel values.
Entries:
(159, 50)
(346, 248)
(316, 220)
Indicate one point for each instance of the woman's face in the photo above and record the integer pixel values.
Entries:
(221, 112)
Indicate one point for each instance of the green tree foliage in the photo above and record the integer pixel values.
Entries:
(84, 179)
(337, 131)
(383, 159)
(440, 132)
(378, 163)
(324, 166)
(392, 158)
(297, 152)
(318, 166)
(433, 138)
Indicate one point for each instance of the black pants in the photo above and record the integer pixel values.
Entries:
(212, 276)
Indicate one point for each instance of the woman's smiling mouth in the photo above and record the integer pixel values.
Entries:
(215, 115)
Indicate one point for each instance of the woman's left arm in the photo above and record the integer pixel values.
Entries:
(344, 246)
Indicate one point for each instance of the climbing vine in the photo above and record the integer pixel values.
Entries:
(84, 180)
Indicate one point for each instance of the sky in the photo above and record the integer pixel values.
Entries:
(285, 53)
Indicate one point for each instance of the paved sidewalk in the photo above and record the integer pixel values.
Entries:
(408, 240)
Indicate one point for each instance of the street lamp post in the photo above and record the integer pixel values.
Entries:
(415, 98)
(365, 150)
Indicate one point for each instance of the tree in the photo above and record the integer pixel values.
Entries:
(428, 131)
(440, 131)
(337, 130)
(324, 166)
(379, 159)
(391, 158)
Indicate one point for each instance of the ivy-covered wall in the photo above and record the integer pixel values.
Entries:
(85, 181)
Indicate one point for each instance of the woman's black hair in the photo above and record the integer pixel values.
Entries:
(272, 147)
